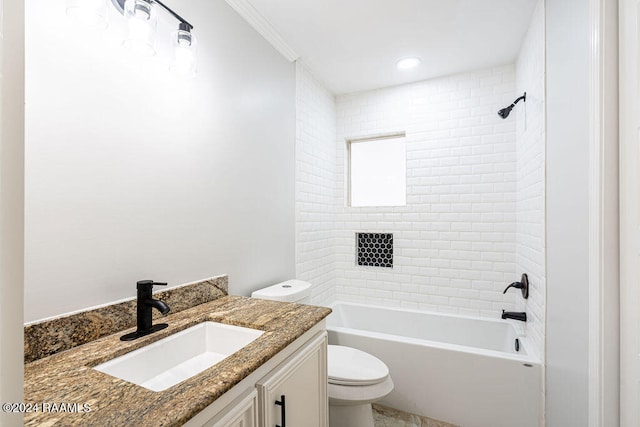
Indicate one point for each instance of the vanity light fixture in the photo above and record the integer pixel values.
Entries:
(142, 22)
(141, 26)
(408, 63)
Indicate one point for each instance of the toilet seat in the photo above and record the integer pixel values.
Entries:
(352, 367)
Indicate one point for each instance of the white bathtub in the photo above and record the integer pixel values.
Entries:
(459, 369)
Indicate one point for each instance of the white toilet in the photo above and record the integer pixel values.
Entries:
(356, 378)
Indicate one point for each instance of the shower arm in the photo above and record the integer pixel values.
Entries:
(523, 98)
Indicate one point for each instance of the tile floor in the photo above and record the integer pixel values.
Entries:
(384, 416)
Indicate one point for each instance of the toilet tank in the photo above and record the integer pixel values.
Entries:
(292, 290)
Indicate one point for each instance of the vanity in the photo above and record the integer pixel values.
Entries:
(282, 371)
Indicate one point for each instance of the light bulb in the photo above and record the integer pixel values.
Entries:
(88, 13)
(184, 57)
(141, 25)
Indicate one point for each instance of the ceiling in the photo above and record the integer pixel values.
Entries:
(353, 45)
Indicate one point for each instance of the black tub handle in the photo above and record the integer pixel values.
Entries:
(283, 411)
(523, 285)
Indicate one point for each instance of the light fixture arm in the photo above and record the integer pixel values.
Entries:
(175, 15)
(119, 4)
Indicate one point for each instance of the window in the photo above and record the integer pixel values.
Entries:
(378, 171)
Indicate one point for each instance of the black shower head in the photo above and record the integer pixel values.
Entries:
(504, 113)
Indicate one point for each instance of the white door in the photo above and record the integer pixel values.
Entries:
(629, 213)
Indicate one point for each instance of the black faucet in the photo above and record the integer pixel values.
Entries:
(515, 315)
(145, 304)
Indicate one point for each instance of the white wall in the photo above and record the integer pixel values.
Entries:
(316, 192)
(454, 242)
(11, 204)
(134, 173)
(530, 196)
(567, 207)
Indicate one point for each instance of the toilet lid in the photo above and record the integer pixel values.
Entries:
(350, 366)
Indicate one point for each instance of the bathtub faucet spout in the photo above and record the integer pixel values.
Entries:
(515, 315)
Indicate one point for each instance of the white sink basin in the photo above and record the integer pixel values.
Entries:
(171, 360)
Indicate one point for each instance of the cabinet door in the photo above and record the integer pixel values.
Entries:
(241, 414)
(302, 380)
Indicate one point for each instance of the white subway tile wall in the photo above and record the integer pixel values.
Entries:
(455, 241)
(316, 197)
(474, 219)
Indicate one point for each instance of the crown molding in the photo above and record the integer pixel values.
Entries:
(245, 9)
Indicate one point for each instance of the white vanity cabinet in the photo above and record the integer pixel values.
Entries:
(299, 372)
(295, 393)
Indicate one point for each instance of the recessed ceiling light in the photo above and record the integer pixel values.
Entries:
(408, 63)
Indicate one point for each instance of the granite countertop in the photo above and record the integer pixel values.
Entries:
(67, 377)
